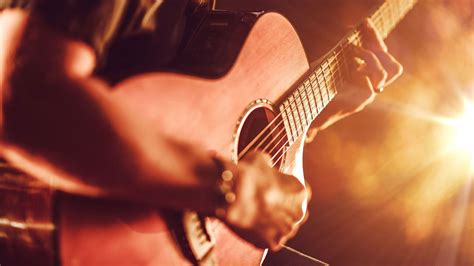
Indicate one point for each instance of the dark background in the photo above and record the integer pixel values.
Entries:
(389, 187)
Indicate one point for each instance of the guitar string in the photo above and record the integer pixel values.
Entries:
(355, 34)
(315, 72)
(300, 103)
(304, 97)
(277, 126)
(271, 141)
(307, 97)
(310, 101)
(376, 18)
(297, 252)
(298, 127)
(356, 37)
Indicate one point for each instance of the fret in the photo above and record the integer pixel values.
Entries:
(389, 14)
(338, 70)
(335, 72)
(314, 84)
(296, 115)
(319, 84)
(300, 108)
(326, 82)
(286, 123)
(382, 29)
(306, 105)
(291, 119)
(330, 71)
(393, 16)
(320, 101)
(312, 99)
(316, 95)
(398, 6)
(341, 57)
(384, 14)
(378, 25)
(306, 83)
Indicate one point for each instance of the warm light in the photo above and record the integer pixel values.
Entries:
(465, 130)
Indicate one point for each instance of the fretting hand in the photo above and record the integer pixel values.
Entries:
(378, 69)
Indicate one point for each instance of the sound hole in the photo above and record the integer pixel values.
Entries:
(261, 131)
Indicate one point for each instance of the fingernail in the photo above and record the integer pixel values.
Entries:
(381, 86)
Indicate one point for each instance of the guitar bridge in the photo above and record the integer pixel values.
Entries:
(195, 238)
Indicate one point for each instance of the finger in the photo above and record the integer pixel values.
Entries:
(373, 68)
(391, 65)
(371, 39)
(366, 92)
(278, 240)
(273, 238)
(374, 42)
(291, 234)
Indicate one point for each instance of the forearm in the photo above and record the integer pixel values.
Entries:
(61, 121)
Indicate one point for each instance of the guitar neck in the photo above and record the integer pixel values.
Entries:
(308, 99)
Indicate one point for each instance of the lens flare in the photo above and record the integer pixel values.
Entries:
(464, 126)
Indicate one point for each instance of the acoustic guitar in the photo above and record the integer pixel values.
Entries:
(257, 91)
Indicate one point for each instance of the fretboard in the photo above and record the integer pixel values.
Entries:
(320, 85)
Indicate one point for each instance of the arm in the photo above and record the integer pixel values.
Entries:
(61, 125)
(60, 118)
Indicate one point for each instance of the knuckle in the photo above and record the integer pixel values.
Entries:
(395, 70)
(398, 69)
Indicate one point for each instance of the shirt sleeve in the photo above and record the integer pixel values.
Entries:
(93, 21)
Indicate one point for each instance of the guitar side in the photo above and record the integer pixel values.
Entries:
(204, 113)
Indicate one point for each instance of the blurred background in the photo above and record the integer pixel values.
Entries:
(394, 184)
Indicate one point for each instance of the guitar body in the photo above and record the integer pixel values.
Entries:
(214, 114)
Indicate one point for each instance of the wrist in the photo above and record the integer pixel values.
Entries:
(226, 175)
